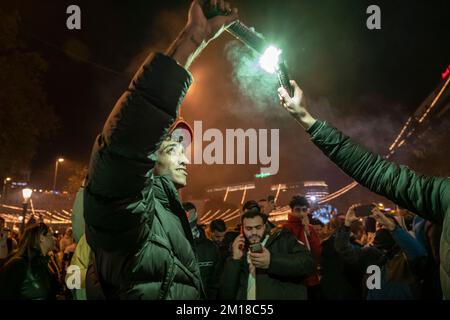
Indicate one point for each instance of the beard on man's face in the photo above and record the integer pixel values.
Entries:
(254, 239)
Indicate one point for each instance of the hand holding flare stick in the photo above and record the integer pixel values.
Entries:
(270, 59)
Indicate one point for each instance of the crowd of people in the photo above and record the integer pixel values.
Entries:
(257, 259)
(139, 241)
(332, 264)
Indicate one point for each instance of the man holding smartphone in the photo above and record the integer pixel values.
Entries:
(265, 266)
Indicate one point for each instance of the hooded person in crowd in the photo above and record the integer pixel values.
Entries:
(218, 228)
(207, 254)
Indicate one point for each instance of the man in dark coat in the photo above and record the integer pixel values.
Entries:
(275, 270)
(135, 222)
(208, 254)
(340, 280)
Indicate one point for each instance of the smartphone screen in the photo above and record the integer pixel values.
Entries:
(256, 247)
(364, 210)
(371, 225)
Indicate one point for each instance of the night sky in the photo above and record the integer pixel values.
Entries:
(364, 82)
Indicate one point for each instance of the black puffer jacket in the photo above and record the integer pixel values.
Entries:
(290, 264)
(209, 262)
(135, 223)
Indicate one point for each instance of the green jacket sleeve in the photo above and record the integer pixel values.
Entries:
(429, 197)
(118, 197)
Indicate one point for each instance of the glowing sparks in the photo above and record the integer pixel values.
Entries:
(270, 58)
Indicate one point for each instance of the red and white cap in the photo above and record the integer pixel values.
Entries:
(181, 132)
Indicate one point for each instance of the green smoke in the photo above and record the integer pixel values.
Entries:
(253, 82)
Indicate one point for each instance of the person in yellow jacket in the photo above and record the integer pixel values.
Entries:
(80, 259)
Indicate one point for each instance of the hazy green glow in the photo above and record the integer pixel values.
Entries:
(269, 60)
(253, 82)
(262, 175)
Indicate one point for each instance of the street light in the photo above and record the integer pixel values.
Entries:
(5, 181)
(26, 193)
(57, 162)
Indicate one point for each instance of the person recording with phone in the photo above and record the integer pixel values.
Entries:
(265, 265)
(400, 257)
